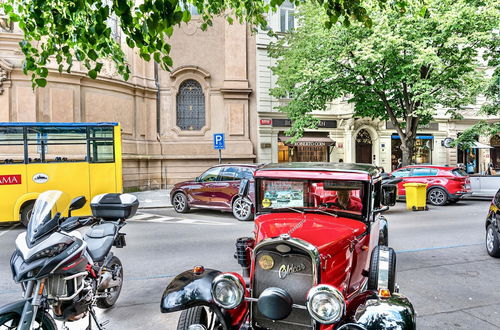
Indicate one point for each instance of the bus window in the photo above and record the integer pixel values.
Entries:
(101, 145)
(11, 145)
(57, 144)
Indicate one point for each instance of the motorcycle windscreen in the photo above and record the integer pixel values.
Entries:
(44, 217)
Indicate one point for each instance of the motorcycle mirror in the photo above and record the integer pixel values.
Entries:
(244, 187)
(385, 175)
(77, 203)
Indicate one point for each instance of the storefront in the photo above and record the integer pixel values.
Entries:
(495, 152)
(311, 147)
(422, 150)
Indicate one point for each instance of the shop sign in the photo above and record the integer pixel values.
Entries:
(10, 179)
(266, 121)
(288, 123)
(428, 126)
(310, 143)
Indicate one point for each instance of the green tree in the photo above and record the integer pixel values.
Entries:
(67, 30)
(490, 108)
(401, 69)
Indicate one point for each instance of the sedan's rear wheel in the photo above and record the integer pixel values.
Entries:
(437, 196)
(242, 210)
(180, 203)
(492, 242)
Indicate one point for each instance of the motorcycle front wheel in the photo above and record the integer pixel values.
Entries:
(43, 321)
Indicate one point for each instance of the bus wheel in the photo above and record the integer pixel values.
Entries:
(26, 213)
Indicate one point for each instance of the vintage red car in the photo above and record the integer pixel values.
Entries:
(318, 258)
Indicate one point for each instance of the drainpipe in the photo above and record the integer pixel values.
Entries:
(158, 121)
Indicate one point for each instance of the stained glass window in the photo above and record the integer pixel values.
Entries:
(190, 106)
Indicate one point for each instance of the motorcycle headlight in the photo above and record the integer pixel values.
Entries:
(49, 252)
(325, 304)
(227, 291)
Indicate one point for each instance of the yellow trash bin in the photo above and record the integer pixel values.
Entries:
(416, 196)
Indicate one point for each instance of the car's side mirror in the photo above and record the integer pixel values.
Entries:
(389, 194)
(197, 179)
(77, 203)
(244, 187)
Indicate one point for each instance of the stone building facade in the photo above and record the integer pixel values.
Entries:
(211, 81)
(343, 137)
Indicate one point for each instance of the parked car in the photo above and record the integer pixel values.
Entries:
(493, 227)
(217, 189)
(484, 186)
(445, 184)
(314, 263)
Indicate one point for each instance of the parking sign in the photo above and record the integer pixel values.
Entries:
(219, 141)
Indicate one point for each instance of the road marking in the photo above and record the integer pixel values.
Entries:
(149, 217)
(8, 229)
(439, 248)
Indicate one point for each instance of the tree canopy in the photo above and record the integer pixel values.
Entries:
(410, 62)
(65, 31)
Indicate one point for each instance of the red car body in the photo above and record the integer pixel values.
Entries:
(304, 245)
(450, 183)
(216, 188)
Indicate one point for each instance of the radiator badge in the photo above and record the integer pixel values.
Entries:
(266, 262)
(286, 270)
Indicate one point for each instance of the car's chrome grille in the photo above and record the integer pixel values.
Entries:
(297, 283)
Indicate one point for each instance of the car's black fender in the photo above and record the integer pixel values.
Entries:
(188, 290)
(395, 312)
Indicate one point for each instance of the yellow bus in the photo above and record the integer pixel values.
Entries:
(76, 158)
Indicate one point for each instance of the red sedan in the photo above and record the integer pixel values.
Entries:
(444, 183)
(216, 189)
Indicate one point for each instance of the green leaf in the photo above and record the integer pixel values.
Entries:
(93, 74)
(186, 16)
(157, 57)
(167, 61)
(41, 82)
(92, 54)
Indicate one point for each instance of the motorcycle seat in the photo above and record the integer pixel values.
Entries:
(99, 240)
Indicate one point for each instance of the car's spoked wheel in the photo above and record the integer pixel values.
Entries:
(492, 242)
(242, 210)
(198, 318)
(437, 197)
(180, 203)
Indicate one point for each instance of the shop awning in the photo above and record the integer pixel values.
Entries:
(419, 137)
(308, 141)
(478, 145)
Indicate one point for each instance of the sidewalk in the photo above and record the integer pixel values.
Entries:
(151, 199)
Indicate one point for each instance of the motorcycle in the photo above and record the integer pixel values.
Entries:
(60, 269)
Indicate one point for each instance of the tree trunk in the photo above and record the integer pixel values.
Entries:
(407, 149)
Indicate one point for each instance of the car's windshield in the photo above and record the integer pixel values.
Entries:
(336, 196)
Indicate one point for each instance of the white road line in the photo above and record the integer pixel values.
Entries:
(8, 229)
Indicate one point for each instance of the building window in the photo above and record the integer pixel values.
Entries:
(287, 19)
(190, 106)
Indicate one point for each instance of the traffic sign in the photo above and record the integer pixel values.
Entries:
(219, 142)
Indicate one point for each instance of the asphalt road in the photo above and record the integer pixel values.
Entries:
(442, 263)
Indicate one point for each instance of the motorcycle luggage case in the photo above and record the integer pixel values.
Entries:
(114, 206)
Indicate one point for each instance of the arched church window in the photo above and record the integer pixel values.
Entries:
(190, 106)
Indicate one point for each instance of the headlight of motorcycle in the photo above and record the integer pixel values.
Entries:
(326, 304)
(49, 252)
(227, 291)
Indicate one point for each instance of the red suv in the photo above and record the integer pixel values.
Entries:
(217, 188)
(444, 184)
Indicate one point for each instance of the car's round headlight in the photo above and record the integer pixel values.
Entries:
(325, 304)
(227, 291)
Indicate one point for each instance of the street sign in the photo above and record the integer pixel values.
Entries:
(219, 141)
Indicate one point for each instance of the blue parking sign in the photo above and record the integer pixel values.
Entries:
(219, 141)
